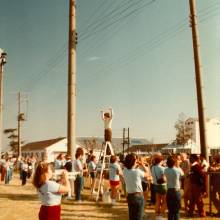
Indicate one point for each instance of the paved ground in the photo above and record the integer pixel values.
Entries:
(21, 203)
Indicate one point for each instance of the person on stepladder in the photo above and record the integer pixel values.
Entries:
(107, 119)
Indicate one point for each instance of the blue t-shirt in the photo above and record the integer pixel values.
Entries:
(157, 171)
(173, 177)
(91, 166)
(132, 179)
(49, 195)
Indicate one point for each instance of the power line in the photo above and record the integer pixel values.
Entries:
(60, 54)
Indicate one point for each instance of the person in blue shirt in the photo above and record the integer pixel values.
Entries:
(173, 197)
(132, 178)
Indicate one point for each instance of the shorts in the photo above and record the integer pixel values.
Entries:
(114, 183)
(161, 189)
(108, 135)
(92, 175)
(144, 186)
(50, 212)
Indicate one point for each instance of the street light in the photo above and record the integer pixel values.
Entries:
(2, 63)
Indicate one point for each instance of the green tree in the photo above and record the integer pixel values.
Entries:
(13, 138)
(182, 135)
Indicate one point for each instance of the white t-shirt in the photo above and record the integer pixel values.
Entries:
(173, 177)
(114, 168)
(132, 179)
(48, 194)
(78, 166)
(91, 166)
(107, 123)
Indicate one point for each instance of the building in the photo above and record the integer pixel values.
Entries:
(46, 149)
(51, 148)
(145, 149)
(212, 132)
(189, 147)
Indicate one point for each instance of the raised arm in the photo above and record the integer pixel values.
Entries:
(111, 112)
(65, 185)
(102, 115)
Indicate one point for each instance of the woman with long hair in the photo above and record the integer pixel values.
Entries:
(49, 191)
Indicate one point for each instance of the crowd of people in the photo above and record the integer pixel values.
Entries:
(160, 181)
(25, 166)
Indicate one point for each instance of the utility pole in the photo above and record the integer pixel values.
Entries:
(71, 123)
(21, 117)
(123, 143)
(199, 86)
(2, 63)
(19, 124)
(126, 140)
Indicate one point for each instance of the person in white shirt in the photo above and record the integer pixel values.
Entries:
(132, 178)
(173, 197)
(49, 191)
(114, 172)
(92, 171)
(107, 119)
(78, 167)
(204, 163)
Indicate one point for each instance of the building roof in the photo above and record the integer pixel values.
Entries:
(146, 147)
(86, 142)
(40, 145)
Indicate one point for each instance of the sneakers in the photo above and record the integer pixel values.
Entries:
(78, 201)
(113, 202)
(159, 217)
(94, 192)
(202, 215)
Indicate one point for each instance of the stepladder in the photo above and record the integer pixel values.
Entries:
(104, 160)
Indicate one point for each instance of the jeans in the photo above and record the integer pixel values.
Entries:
(24, 177)
(153, 193)
(135, 206)
(78, 185)
(173, 203)
(7, 177)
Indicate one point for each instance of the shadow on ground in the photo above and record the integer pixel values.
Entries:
(19, 197)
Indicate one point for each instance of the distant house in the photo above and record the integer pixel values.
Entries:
(48, 149)
(145, 149)
(189, 147)
(212, 132)
(51, 148)
(96, 143)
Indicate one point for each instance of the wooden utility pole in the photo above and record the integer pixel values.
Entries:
(123, 142)
(126, 140)
(2, 63)
(199, 86)
(71, 123)
(19, 124)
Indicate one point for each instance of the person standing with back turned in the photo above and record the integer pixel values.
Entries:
(133, 178)
(49, 191)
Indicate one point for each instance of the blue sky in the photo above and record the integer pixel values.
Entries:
(133, 56)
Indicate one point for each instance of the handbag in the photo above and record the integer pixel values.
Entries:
(161, 180)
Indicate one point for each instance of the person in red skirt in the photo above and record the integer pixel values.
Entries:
(49, 191)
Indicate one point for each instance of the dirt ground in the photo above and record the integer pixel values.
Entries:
(21, 203)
